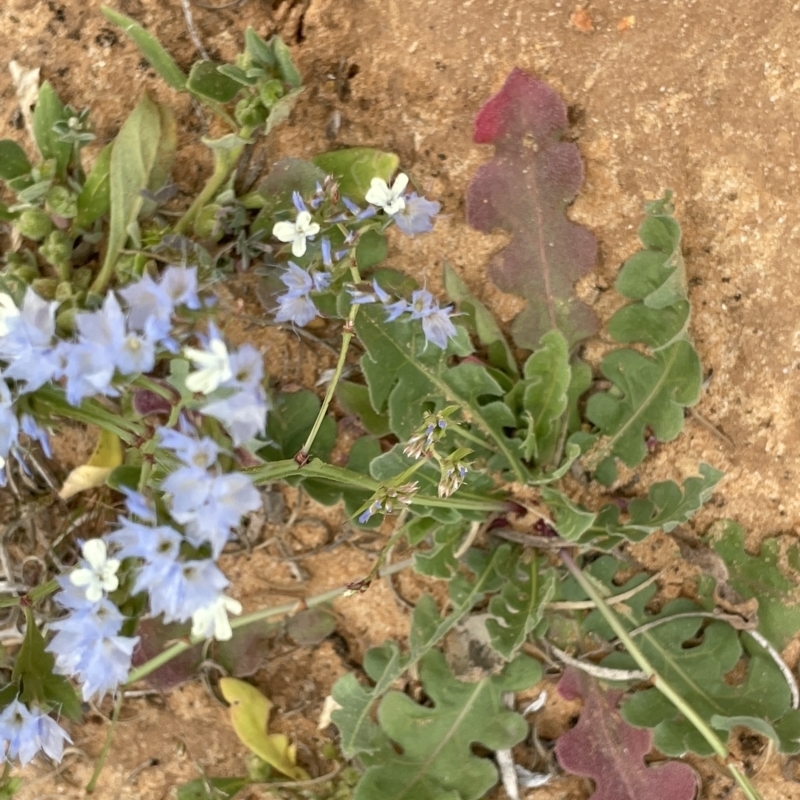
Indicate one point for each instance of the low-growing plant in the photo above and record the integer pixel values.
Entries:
(473, 448)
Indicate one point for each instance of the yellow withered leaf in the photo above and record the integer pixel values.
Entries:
(250, 717)
(106, 457)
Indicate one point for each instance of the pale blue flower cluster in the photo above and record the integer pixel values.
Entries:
(205, 505)
(411, 213)
(174, 564)
(110, 343)
(25, 732)
(437, 325)
(233, 385)
(296, 305)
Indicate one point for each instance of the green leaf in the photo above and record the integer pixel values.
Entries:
(362, 737)
(95, 197)
(437, 758)
(33, 668)
(572, 520)
(280, 110)
(371, 250)
(546, 383)
(695, 659)
(656, 275)
(49, 110)
(656, 279)
(354, 399)
(161, 61)
(355, 167)
(664, 508)
(283, 60)
(206, 81)
(697, 672)
(785, 733)
(480, 321)
(760, 575)
(405, 377)
(638, 323)
(518, 609)
(258, 49)
(290, 422)
(439, 560)
(135, 157)
(210, 789)
(287, 176)
(13, 161)
(648, 392)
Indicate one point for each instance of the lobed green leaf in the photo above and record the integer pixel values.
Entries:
(437, 759)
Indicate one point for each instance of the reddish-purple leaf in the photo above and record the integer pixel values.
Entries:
(154, 637)
(525, 190)
(605, 748)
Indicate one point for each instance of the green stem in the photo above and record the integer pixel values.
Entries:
(224, 163)
(51, 399)
(347, 337)
(98, 767)
(248, 619)
(40, 592)
(657, 680)
(318, 469)
(143, 382)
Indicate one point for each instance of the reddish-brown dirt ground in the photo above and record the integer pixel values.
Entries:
(699, 96)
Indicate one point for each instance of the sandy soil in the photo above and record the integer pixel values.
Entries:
(699, 97)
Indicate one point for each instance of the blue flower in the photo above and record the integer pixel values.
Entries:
(244, 414)
(296, 305)
(436, 323)
(195, 452)
(192, 585)
(23, 733)
(9, 427)
(147, 301)
(247, 366)
(180, 286)
(26, 340)
(438, 327)
(88, 369)
(417, 215)
(87, 645)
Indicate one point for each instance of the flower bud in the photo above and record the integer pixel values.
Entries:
(34, 224)
(57, 250)
(62, 202)
(45, 287)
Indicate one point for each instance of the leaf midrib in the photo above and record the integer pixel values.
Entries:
(448, 392)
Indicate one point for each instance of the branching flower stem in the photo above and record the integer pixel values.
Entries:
(588, 586)
(347, 336)
(316, 468)
(248, 619)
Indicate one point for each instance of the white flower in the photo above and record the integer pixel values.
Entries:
(212, 621)
(214, 367)
(390, 200)
(296, 232)
(7, 311)
(101, 573)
